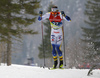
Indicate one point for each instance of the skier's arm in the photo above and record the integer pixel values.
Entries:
(62, 14)
(45, 16)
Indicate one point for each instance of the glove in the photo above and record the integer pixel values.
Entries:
(40, 12)
(39, 18)
(68, 18)
(62, 13)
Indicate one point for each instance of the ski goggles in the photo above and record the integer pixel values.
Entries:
(54, 9)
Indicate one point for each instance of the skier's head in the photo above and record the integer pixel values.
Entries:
(54, 9)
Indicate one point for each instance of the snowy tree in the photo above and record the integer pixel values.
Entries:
(91, 32)
(15, 17)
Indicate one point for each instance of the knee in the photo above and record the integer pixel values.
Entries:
(54, 53)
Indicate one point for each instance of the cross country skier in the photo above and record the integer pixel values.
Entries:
(55, 17)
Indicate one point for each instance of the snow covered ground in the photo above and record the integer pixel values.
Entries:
(20, 71)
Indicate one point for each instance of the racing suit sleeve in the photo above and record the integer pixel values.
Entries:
(45, 16)
(65, 17)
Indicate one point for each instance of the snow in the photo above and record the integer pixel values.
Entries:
(20, 71)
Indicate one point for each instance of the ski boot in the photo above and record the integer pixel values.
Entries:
(61, 62)
(55, 62)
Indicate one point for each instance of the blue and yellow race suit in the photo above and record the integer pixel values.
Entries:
(56, 31)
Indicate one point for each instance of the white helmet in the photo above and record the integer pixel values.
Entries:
(54, 9)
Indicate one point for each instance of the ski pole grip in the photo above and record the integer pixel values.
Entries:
(62, 13)
(40, 12)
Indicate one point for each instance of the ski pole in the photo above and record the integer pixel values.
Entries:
(64, 47)
(63, 14)
(41, 12)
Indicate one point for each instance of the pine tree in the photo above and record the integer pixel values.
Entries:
(15, 19)
(91, 32)
(47, 43)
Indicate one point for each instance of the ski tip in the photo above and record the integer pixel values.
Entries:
(61, 68)
(51, 68)
(55, 68)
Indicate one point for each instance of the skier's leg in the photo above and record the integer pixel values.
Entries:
(54, 56)
(61, 62)
(55, 61)
(58, 48)
(53, 42)
(60, 56)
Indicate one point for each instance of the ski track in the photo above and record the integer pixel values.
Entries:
(19, 71)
